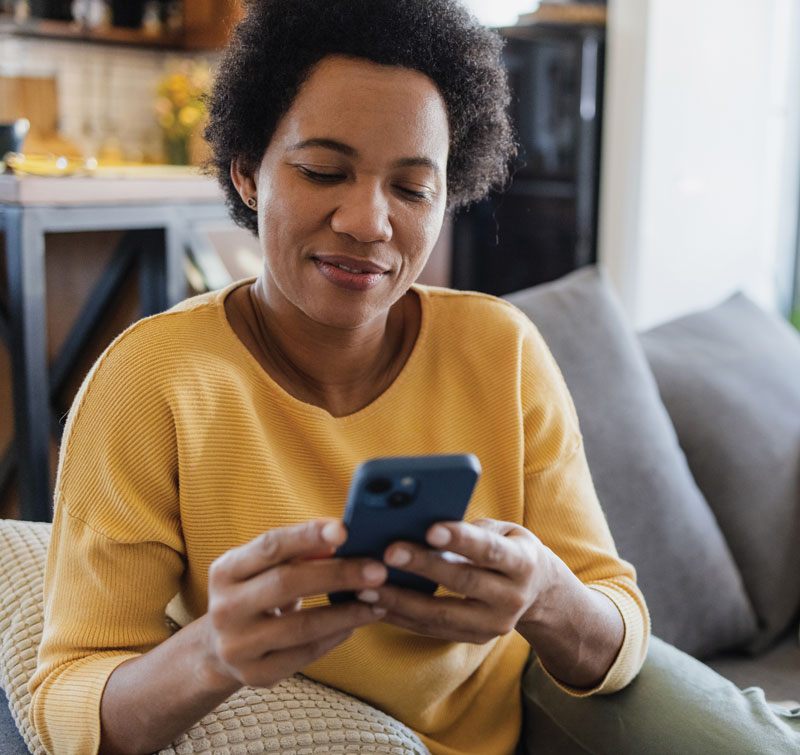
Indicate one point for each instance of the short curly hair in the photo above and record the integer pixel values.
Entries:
(278, 42)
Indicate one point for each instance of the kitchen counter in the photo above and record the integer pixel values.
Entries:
(566, 13)
(134, 184)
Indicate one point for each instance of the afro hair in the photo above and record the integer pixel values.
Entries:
(278, 42)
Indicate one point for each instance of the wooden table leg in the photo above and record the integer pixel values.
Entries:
(25, 265)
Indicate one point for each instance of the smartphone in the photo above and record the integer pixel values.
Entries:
(399, 498)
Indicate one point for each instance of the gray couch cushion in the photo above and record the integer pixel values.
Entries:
(11, 741)
(660, 520)
(776, 671)
(730, 379)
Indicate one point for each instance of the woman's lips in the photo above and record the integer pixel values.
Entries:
(350, 273)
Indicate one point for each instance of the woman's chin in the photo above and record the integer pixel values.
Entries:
(348, 309)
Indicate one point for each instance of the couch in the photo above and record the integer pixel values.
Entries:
(692, 432)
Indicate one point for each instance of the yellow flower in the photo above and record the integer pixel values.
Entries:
(179, 106)
(167, 120)
(189, 116)
(176, 81)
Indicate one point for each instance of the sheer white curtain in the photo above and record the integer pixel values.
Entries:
(700, 184)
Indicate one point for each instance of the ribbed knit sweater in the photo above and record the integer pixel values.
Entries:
(179, 447)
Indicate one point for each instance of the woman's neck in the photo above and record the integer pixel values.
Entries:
(339, 370)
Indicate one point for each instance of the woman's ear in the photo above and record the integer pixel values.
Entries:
(243, 181)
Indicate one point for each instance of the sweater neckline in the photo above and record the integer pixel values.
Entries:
(311, 410)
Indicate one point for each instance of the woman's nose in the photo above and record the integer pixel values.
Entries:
(363, 214)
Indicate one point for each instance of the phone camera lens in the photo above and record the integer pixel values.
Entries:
(378, 485)
(399, 498)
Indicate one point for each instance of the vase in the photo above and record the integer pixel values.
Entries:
(177, 151)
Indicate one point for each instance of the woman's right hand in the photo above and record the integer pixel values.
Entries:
(152, 698)
(257, 633)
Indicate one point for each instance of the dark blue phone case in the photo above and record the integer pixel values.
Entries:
(399, 498)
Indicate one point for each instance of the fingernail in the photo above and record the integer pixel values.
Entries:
(368, 596)
(399, 557)
(378, 611)
(374, 573)
(439, 536)
(332, 533)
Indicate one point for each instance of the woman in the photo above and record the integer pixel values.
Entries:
(209, 451)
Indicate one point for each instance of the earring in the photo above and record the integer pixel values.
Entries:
(251, 203)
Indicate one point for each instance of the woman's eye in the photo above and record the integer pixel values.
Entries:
(320, 176)
(414, 194)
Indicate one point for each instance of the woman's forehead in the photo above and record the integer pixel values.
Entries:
(356, 102)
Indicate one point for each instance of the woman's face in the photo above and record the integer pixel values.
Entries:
(351, 191)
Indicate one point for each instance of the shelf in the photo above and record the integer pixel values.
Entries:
(589, 14)
(47, 29)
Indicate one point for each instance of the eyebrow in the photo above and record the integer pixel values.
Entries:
(346, 149)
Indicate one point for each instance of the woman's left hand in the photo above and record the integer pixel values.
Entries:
(503, 570)
(505, 579)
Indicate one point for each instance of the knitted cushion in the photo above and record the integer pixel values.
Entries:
(297, 716)
(23, 549)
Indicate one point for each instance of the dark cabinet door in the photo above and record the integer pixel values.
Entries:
(545, 224)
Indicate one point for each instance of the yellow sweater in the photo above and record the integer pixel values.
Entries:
(179, 447)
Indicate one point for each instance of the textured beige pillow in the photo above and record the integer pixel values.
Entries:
(295, 717)
(23, 548)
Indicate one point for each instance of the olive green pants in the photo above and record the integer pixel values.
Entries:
(676, 706)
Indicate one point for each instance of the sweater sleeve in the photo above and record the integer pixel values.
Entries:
(562, 508)
(116, 553)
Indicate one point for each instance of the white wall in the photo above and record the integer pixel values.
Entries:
(701, 153)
